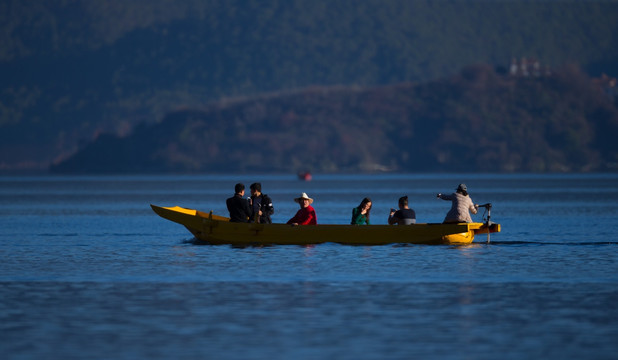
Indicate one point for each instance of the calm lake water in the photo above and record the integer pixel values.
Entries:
(88, 271)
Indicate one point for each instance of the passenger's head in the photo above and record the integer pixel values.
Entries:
(239, 188)
(303, 200)
(403, 202)
(462, 189)
(255, 187)
(365, 202)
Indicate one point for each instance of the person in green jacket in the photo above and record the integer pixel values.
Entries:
(360, 214)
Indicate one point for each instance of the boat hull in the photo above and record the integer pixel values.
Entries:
(215, 229)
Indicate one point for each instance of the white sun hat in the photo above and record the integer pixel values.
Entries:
(303, 196)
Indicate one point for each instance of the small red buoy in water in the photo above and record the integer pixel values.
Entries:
(305, 176)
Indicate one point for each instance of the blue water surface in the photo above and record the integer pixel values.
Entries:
(88, 271)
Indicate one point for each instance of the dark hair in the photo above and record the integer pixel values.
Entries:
(256, 187)
(403, 200)
(363, 203)
(239, 187)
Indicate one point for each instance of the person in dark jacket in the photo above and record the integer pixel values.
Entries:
(403, 216)
(261, 204)
(237, 206)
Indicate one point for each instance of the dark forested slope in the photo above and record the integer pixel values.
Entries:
(72, 69)
(477, 120)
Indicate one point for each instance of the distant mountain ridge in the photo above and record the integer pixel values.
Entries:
(476, 121)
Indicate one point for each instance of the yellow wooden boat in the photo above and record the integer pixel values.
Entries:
(214, 229)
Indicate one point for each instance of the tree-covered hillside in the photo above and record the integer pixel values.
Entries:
(72, 69)
(477, 120)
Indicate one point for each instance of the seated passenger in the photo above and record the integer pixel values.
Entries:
(306, 214)
(237, 206)
(261, 205)
(360, 214)
(403, 216)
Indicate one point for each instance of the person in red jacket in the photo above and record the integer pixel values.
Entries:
(306, 214)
